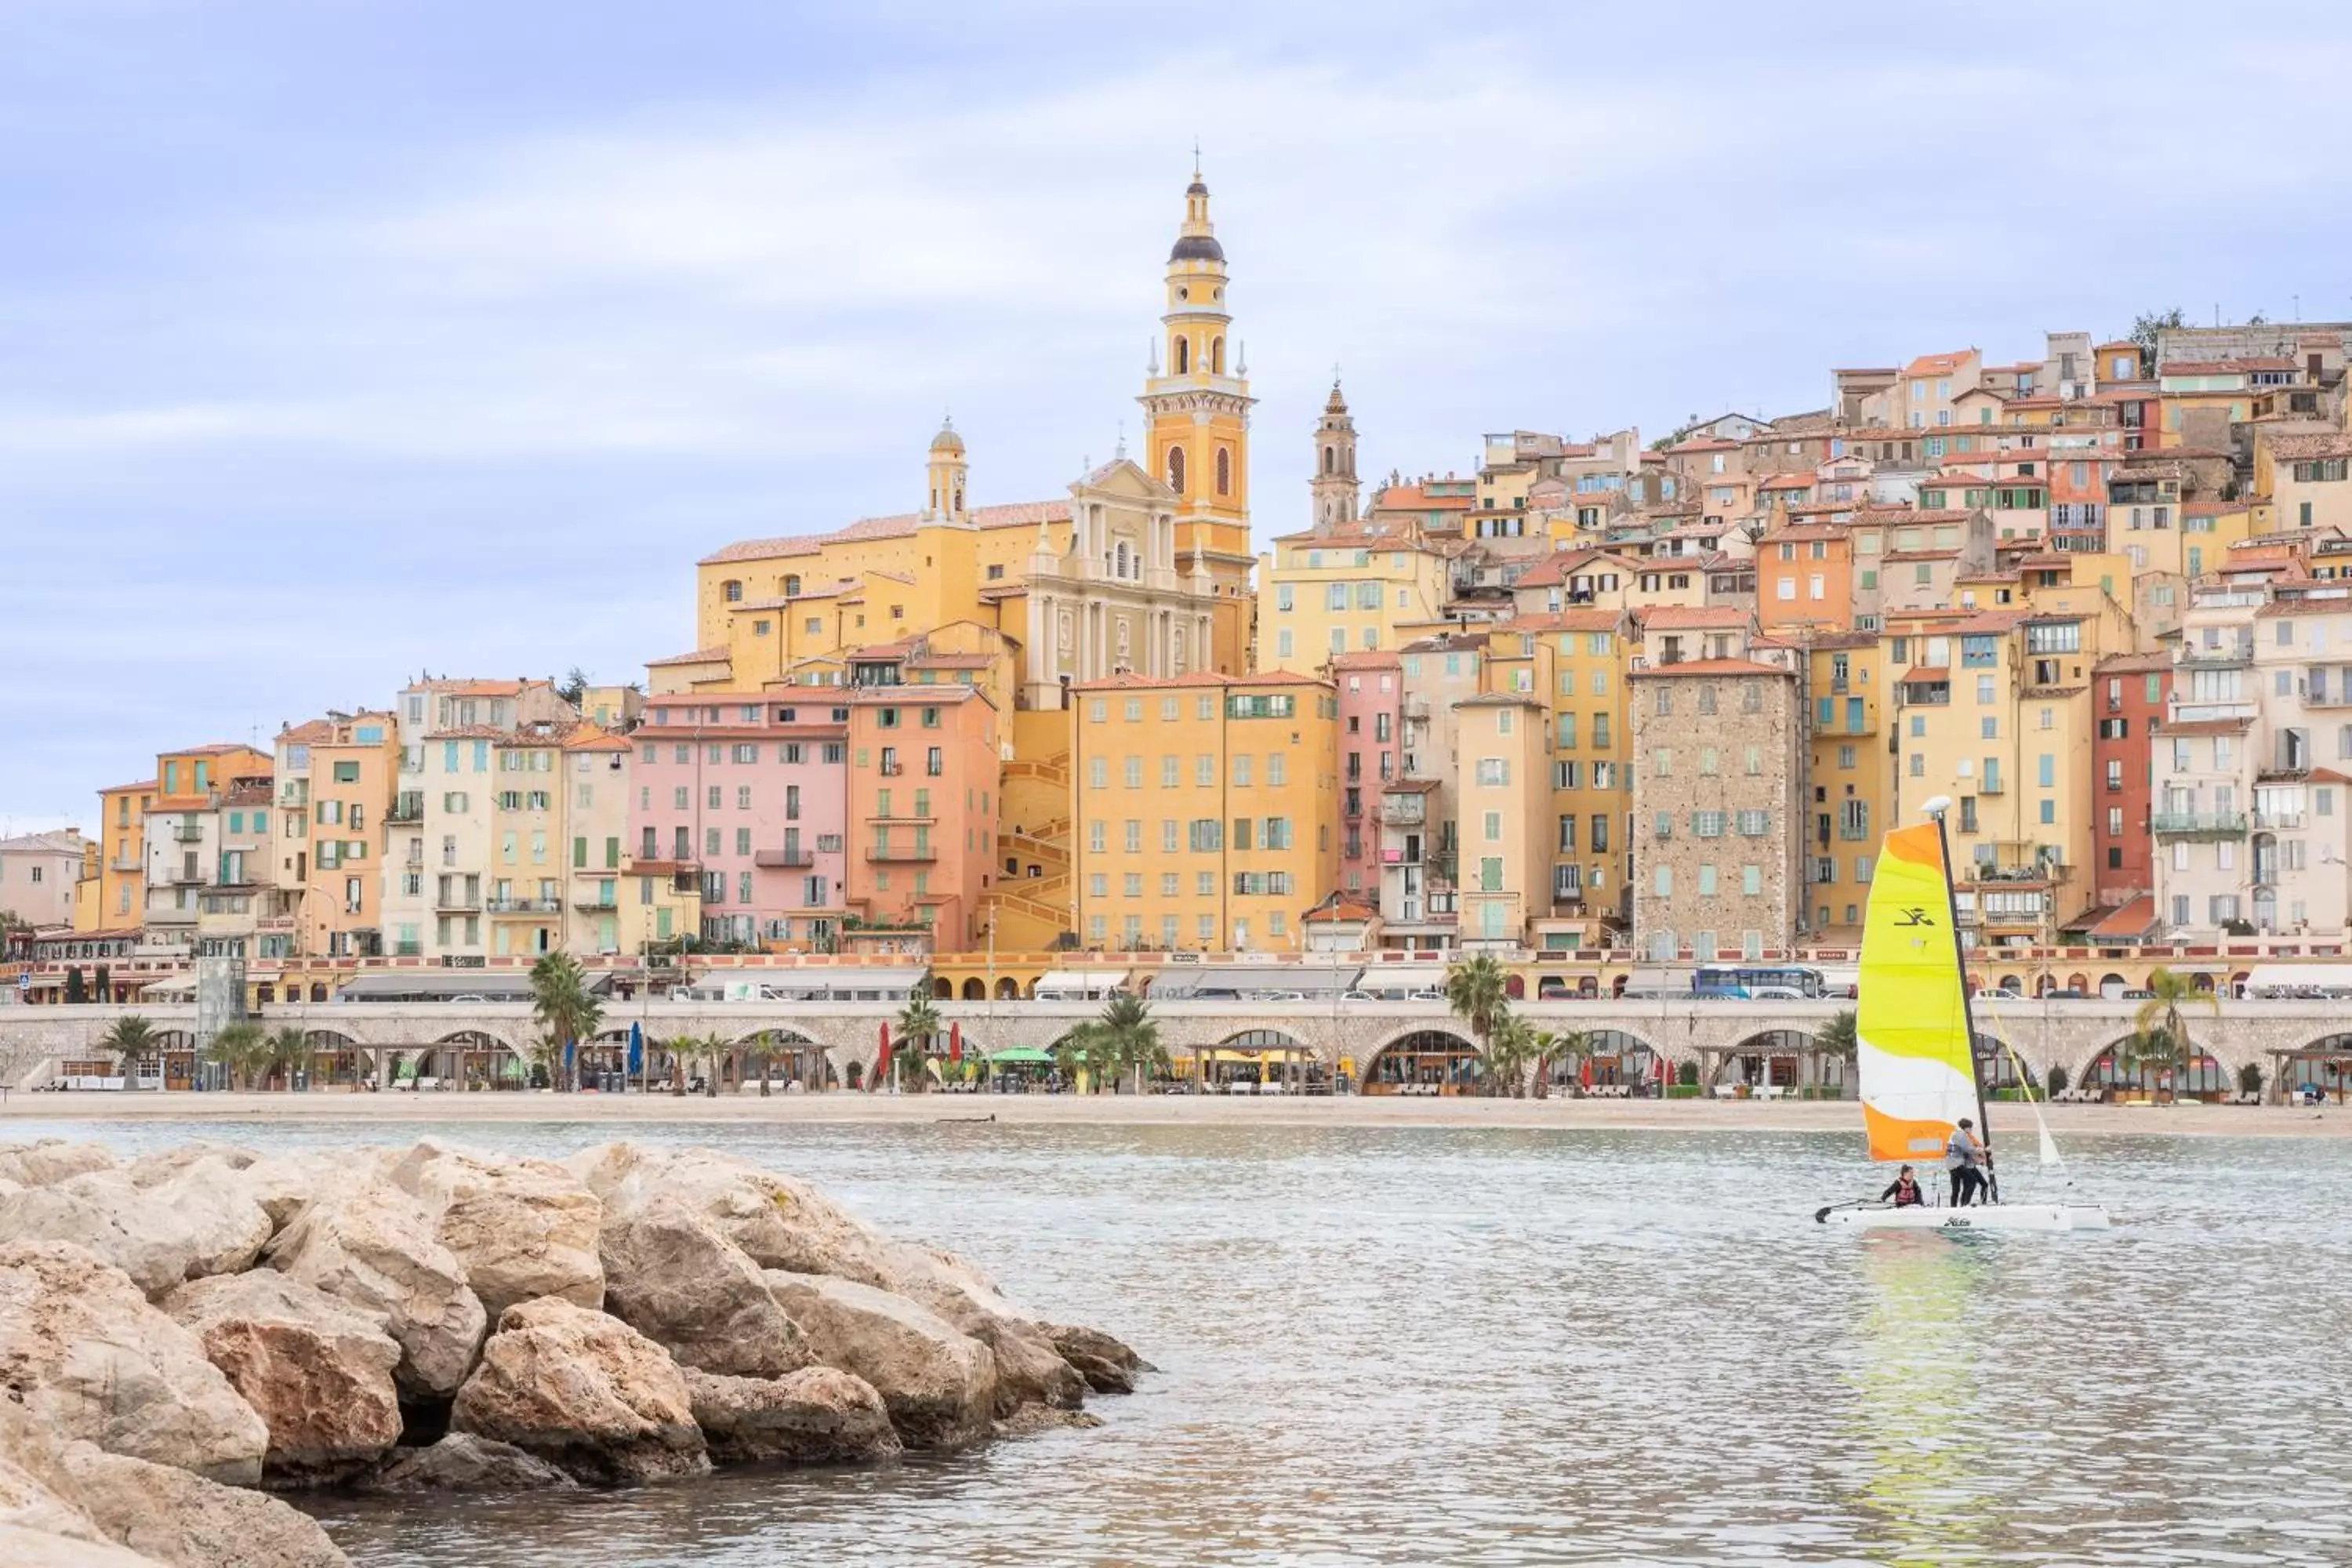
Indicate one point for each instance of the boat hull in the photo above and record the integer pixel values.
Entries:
(1985, 1217)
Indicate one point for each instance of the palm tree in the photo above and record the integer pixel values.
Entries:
(561, 1002)
(1570, 1044)
(715, 1046)
(918, 1020)
(681, 1048)
(130, 1040)
(1130, 1037)
(757, 1052)
(546, 1053)
(1087, 1047)
(237, 1048)
(2160, 1035)
(1508, 1052)
(286, 1049)
(1479, 994)
(1837, 1038)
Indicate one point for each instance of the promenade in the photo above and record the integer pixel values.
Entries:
(1138, 1110)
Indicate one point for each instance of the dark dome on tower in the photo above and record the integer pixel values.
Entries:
(1197, 248)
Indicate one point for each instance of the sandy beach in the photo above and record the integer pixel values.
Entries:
(2269, 1120)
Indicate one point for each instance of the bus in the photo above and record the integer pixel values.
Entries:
(1748, 979)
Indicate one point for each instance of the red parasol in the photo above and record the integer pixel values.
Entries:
(955, 1043)
(1584, 1074)
(882, 1062)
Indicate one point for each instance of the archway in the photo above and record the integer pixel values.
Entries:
(336, 1059)
(1257, 1061)
(975, 989)
(2320, 1071)
(2112, 986)
(1425, 1062)
(1515, 986)
(793, 1062)
(1615, 1065)
(466, 1059)
(2112, 1074)
(170, 1063)
(1008, 990)
(942, 989)
(1776, 1064)
(1552, 988)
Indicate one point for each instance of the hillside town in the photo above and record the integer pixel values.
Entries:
(1585, 701)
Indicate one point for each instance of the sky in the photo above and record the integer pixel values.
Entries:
(343, 341)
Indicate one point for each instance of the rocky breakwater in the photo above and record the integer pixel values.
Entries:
(184, 1335)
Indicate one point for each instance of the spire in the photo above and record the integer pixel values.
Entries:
(1196, 239)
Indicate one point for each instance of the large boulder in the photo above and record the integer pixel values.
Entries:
(671, 1275)
(33, 1495)
(22, 1546)
(168, 1165)
(939, 1383)
(375, 1248)
(190, 1523)
(780, 1221)
(1029, 1370)
(586, 1392)
(199, 1223)
(815, 1417)
(462, 1462)
(87, 1356)
(287, 1183)
(316, 1369)
(37, 1164)
(1109, 1366)
(523, 1229)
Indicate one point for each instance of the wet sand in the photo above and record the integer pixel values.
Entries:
(1271, 1111)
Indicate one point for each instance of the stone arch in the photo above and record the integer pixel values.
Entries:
(2115, 980)
(470, 1057)
(337, 1055)
(2204, 1078)
(1515, 986)
(796, 1056)
(2323, 1066)
(1262, 1059)
(1614, 1061)
(1008, 989)
(1424, 1060)
(975, 989)
(942, 989)
(1784, 1060)
(1552, 988)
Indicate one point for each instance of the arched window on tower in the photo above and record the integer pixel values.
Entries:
(1176, 470)
(1216, 356)
(1225, 470)
(959, 499)
(1183, 355)
(1330, 460)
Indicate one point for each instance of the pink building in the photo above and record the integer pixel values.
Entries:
(749, 789)
(1371, 722)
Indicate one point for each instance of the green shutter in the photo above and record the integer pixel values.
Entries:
(579, 854)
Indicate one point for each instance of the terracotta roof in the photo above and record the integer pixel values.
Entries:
(1345, 910)
(2304, 605)
(589, 737)
(2306, 448)
(1502, 700)
(2135, 919)
(1714, 666)
(1920, 555)
(1675, 618)
(1789, 483)
(2132, 663)
(1375, 659)
(699, 656)
(1892, 517)
(2225, 366)
(1197, 677)
(1415, 498)
(1803, 533)
(1575, 620)
(900, 525)
(311, 730)
(1918, 673)
(1938, 364)
(127, 788)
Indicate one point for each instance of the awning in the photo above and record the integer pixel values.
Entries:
(1255, 982)
(443, 984)
(1084, 982)
(175, 985)
(1019, 1054)
(875, 984)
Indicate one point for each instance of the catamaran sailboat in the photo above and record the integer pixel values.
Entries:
(1916, 1045)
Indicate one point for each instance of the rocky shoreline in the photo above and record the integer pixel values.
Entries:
(184, 1335)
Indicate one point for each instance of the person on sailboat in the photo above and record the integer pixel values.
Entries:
(1903, 1190)
(1962, 1157)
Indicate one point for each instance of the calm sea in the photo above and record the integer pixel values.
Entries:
(1389, 1345)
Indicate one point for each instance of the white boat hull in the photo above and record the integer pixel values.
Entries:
(1981, 1217)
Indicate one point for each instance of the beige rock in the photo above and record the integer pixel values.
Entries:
(1032, 1419)
(939, 1383)
(375, 1248)
(523, 1229)
(462, 1462)
(316, 1369)
(33, 1495)
(815, 1417)
(674, 1277)
(167, 1164)
(23, 1547)
(1029, 1370)
(87, 1356)
(781, 1221)
(190, 1523)
(199, 1223)
(586, 1392)
(286, 1184)
(37, 1164)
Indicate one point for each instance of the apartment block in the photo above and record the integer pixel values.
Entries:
(38, 873)
(340, 803)
(1204, 808)
(925, 787)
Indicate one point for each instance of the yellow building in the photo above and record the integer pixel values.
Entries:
(1203, 807)
(183, 780)
(1849, 780)
(1355, 590)
(1503, 744)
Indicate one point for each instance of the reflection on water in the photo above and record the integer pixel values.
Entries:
(1403, 1346)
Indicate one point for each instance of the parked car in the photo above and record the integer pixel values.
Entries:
(1996, 995)
(1282, 996)
(469, 997)
(1775, 993)
(1426, 996)
(2138, 995)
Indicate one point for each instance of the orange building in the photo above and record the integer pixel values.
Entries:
(1804, 579)
(925, 787)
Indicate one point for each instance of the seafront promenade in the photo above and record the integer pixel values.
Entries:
(1138, 1110)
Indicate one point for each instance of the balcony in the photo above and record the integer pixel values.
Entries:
(592, 903)
(525, 905)
(183, 878)
(891, 770)
(909, 854)
(188, 833)
(405, 808)
(127, 865)
(2198, 825)
(457, 903)
(1407, 811)
(1992, 787)
(2230, 656)
(2279, 821)
(900, 816)
(784, 859)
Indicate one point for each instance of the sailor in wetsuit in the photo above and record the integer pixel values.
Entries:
(1903, 1190)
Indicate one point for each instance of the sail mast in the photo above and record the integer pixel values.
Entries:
(1936, 808)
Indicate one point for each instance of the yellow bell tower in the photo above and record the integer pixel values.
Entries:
(1196, 405)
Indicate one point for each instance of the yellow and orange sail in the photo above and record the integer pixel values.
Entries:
(1911, 1022)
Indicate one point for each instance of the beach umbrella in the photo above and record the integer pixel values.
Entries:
(955, 1043)
(882, 1062)
(1584, 1074)
(637, 1049)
